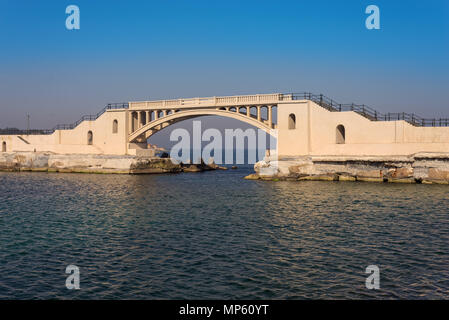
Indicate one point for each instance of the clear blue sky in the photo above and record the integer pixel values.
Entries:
(134, 50)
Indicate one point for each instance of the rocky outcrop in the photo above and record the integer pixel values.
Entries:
(82, 163)
(49, 162)
(429, 168)
(200, 167)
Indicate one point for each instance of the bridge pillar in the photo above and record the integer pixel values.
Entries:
(248, 111)
(259, 118)
(164, 113)
(130, 122)
(139, 119)
(156, 114)
(270, 116)
(227, 108)
(147, 113)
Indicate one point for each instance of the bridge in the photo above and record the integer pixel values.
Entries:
(304, 123)
(148, 117)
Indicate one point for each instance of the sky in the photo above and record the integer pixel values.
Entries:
(139, 50)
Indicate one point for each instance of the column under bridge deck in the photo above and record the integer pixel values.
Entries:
(148, 117)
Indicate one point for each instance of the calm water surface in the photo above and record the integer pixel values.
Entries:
(214, 235)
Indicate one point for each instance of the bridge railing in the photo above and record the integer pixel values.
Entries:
(94, 117)
(370, 113)
(15, 131)
(212, 101)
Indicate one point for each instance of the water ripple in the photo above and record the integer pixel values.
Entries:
(214, 235)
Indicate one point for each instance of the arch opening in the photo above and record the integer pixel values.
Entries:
(90, 138)
(341, 134)
(291, 121)
(4, 146)
(253, 111)
(264, 113)
(115, 126)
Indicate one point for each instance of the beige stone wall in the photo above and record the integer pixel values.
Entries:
(75, 141)
(315, 134)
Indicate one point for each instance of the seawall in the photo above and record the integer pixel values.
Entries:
(426, 168)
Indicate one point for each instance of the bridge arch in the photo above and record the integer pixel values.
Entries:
(153, 126)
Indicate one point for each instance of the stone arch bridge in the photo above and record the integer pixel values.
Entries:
(304, 124)
(147, 118)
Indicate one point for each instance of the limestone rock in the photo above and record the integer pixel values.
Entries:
(252, 176)
(369, 174)
(401, 173)
(346, 178)
(192, 168)
(438, 174)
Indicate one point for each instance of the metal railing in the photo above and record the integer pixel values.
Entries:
(370, 113)
(110, 106)
(15, 131)
(320, 99)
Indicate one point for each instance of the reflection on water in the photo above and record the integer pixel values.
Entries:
(215, 235)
